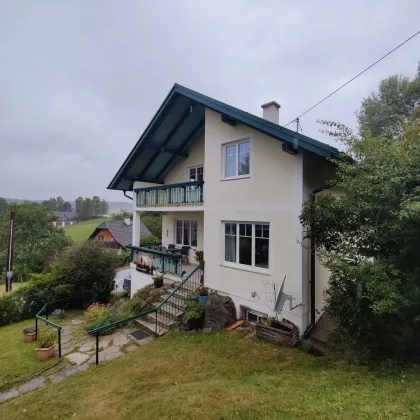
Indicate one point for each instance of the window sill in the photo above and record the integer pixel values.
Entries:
(231, 178)
(255, 270)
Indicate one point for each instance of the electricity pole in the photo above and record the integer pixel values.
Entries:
(9, 270)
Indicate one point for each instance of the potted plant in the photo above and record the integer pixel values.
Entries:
(203, 294)
(46, 346)
(29, 334)
(194, 312)
(158, 281)
(58, 313)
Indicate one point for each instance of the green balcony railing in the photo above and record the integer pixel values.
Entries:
(183, 194)
(163, 260)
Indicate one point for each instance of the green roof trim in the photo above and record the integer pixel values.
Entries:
(177, 102)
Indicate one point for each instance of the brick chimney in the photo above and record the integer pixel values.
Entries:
(271, 111)
(127, 221)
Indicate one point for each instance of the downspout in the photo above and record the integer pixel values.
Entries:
(125, 195)
(308, 330)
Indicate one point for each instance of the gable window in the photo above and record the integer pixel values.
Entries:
(247, 244)
(100, 238)
(186, 233)
(196, 173)
(236, 158)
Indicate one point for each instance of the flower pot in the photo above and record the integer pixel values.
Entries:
(45, 353)
(158, 283)
(29, 337)
(195, 324)
(203, 299)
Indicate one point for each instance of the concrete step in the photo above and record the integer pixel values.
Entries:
(178, 301)
(163, 321)
(150, 327)
(170, 310)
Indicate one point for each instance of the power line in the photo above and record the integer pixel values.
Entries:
(355, 77)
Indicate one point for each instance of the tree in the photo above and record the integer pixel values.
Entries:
(122, 215)
(3, 205)
(385, 112)
(91, 207)
(57, 204)
(34, 236)
(153, 222)
(90, 267)
(368, 235)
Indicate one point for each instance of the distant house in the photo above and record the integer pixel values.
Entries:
(65, 218)
(117, 233)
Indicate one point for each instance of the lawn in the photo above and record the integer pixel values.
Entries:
(15, 286)
(223, 376)
(18, 360)
(81, 231)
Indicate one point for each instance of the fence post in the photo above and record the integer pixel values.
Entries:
(46, 311)
(156, 325)
(36, 328)
(97, 348)
(59, 342)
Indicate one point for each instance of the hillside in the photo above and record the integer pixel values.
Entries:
(221, 376)
(81, 231)
(114, 206)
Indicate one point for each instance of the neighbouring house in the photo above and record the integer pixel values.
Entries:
(231, 184)
(65, 218)
(117, 233)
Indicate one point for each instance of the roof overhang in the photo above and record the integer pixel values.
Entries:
(179, 122)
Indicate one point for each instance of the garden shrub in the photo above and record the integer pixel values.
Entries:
(98, 315)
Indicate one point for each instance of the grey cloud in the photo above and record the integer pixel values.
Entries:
(79, 81)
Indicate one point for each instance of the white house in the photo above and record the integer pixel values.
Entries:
(231, 184)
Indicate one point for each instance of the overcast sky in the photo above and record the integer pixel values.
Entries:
(80, 80)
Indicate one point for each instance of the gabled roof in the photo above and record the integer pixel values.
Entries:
(66, 215)
(179, 122)
(120, 231)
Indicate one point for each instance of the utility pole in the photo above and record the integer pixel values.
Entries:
(9, 271)
(297, 125)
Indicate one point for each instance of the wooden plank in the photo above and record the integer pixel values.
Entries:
(235, 325)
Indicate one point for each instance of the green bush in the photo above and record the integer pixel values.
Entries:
(90, 267)
(194, 310)
(98, 315)
(149, 239)
(153, 222)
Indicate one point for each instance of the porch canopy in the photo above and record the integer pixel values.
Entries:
(179, 122)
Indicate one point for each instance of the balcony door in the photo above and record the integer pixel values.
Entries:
(194, 192)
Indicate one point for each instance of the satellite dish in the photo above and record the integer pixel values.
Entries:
(281, 298)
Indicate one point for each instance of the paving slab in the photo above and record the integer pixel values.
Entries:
(77, 321)
(77, 358)
(131, 347)
(67, 371)
(111, 350)
(87, 347)
(145, 341)
(9, 395)
(32, 384)
(120, 339)
(113, 355)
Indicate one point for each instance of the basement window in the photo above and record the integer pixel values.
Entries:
(252, 316)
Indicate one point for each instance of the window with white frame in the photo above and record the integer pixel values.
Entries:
(186, 232)
(236, 157)
(247, 244)
(196, 173)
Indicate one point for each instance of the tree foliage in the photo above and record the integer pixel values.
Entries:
(3, 205)
(91, 207)
(57, 204)
(123, 214)
(396, 102)
(153, 222)
(368, 234)
(90, 267)
(34, 236)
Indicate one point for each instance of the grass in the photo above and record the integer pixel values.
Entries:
(81, 231)
(15, 286)
(18, 361)
(222, 377)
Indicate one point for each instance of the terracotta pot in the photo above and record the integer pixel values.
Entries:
(45, 353)
(29, 337)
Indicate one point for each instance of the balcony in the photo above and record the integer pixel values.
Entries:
(185, 194)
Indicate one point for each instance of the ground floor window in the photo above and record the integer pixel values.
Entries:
(186, 232)
(252, 316)
(247, 244)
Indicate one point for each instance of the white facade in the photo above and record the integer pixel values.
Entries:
(271, 194)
